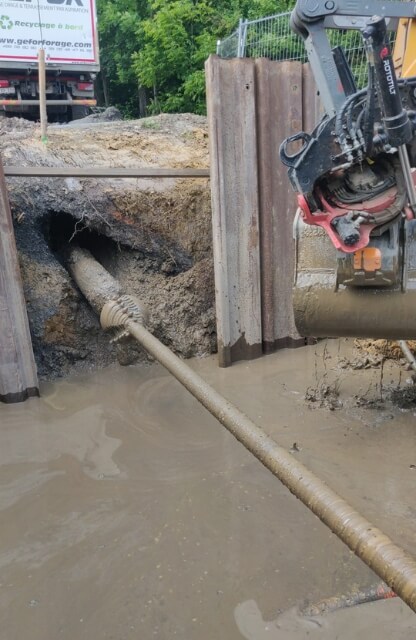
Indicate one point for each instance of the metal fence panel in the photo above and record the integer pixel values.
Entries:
(272, 38)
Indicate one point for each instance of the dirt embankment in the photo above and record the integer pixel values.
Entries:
(154, 235)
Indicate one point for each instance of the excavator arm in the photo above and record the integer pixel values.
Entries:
(355, 229)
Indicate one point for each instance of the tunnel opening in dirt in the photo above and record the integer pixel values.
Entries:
(67, 337)
(153, 236)
(62, 230)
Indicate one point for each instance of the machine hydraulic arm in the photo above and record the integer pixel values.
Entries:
(354, 176)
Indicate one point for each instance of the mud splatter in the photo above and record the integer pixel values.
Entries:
(376, 621)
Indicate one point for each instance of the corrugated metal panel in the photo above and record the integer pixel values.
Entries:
(235, 209)
(279, 115)
(18, 376)
(253, 105)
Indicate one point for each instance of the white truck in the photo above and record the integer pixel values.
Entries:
(67, 31)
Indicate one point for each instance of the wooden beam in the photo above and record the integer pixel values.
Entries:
(18, 377)
(103, 172)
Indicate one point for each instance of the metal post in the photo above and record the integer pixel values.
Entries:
(42, 94)
(244, 38)
(240, 45)
(408, 176)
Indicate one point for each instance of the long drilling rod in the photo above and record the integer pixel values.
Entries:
(389, 561)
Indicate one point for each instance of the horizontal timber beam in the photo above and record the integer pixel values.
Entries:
(103, 172)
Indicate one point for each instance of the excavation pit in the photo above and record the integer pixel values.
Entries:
(154, 236)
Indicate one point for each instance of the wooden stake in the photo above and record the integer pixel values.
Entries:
(42, 94)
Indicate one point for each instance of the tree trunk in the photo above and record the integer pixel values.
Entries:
(142, 101)
(105, 89)
(155, 100)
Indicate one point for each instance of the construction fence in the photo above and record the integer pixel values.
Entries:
(273, 38)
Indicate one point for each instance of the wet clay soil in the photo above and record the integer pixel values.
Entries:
(128, 512)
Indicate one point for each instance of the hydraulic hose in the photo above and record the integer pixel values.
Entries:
(339, 130)
(368, 131)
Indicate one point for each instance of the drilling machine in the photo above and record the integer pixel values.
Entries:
(355, 228)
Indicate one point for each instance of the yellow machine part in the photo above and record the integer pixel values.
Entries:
(404, 52)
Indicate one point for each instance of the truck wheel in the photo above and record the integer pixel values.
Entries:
(78, 111)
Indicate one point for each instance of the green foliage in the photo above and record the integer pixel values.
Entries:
(118, 22)
(155, 49)
(176, 40)
(148, 123)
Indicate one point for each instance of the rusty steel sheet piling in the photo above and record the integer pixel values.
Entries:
(18, 375)
(235, 207)
(279, 93)
(389, 561)
(253, 105)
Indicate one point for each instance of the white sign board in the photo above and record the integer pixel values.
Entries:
(66, 29)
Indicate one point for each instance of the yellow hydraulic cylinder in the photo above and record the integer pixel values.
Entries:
(404, 52)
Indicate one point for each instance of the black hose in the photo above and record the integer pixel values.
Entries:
(352, 130)
(368, 129)
(340, 115)
(351, 102)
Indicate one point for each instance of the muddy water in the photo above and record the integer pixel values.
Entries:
(128, 512)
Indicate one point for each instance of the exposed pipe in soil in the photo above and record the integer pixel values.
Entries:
(97, 285)
(408, 354)
(389, 561)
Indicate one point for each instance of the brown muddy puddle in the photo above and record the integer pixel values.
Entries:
(127, 511)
